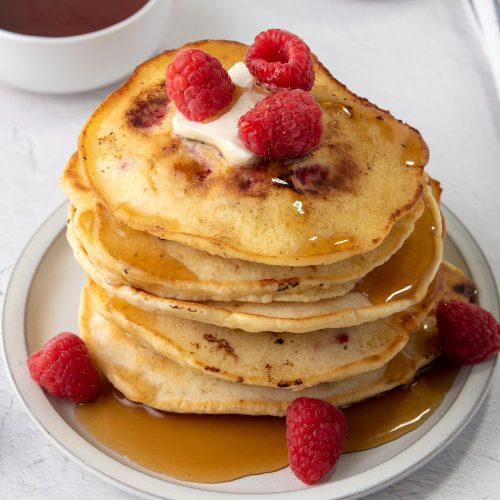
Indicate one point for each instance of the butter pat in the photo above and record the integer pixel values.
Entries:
(222, 133)
(240, 75)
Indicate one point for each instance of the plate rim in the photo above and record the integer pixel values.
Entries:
(400, 465)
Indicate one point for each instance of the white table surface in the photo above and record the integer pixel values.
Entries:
(419, 58)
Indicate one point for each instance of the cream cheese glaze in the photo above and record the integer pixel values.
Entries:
(222, 132)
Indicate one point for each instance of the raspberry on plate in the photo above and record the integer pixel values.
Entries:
(63, 367)
(315, 434)
(469, 334)
(198, 84)
(283, 125)
(279, 59)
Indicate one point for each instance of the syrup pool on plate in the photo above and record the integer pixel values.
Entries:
(216, 448)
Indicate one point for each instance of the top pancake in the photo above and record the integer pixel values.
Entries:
(338, 201)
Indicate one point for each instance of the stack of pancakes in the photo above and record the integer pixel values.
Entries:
(221, 289)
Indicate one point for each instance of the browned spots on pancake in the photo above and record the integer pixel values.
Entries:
(317, 179)
(308, 179)
(288, 383)
(345, 174)
(284, 180)
(149, 107)
(222, 344)
(279, 341)
(283, 384)
(288, 283)
(211, 369)
(268, 369)
(195, 173)
(280, 285)
(180, 308)
(172, 146)
(200, 176)
(108, 139)
(408, 321)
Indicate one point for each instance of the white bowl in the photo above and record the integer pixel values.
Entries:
(82, 62)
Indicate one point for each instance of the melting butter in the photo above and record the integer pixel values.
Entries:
(222, 132)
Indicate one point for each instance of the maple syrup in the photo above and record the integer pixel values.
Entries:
(216, 448)
(152, 256)
(384, 418)
(401, 274)
(201, 448)
(55, 18)
(315, 245)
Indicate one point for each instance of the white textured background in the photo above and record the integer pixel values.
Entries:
(419, 58)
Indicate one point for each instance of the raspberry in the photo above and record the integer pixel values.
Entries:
(198, 84)
(63, 367)
(283, 125)
(315, 433)
(279, 59)
(469, 334)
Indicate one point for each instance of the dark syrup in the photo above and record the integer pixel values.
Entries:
(54, 18)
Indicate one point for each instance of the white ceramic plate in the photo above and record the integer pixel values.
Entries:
(42, 300)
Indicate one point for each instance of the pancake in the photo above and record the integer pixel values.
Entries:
(76, 185)
(266, 358)
(148, 263)
(391, 288)
(173, 270)
(292, 360)
(149, 378)
(340, 200)
(152, 379)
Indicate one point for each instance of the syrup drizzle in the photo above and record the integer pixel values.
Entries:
(135, 254)
(217, 448)
(400, 275)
